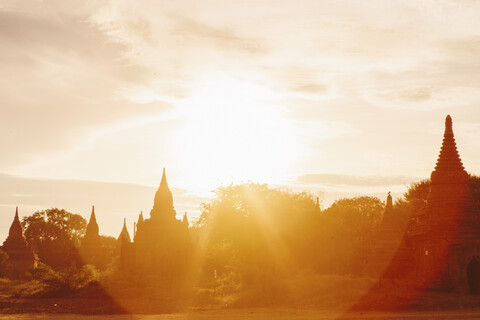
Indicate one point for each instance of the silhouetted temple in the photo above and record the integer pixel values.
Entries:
(442, 239)
(20, 257)
(390, 257)
(445, 234)
(161, 243)
(91, 250)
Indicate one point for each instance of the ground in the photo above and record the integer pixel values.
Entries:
(264, 313)
(389, 300)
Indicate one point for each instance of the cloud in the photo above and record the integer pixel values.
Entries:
(425, 98)
(62, 82)
(353, 180)
(221, 37)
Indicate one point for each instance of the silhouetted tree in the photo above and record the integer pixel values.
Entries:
(55, 235)
(109, 243)
(417, 194)
(363, 211)
(250, 234)
(351, 223)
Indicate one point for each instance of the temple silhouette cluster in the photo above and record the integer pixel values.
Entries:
(161, 244)
(438, 247)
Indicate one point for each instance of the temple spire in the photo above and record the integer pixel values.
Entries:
(389, 205)
(185, 220)
(92, 227)
(449, 159)
(164, 178)
(448, 125)
(123, 241)
(449, 180)
(140, 219)
(19, 254)
(389, 219)
(124, 235)
(163, 202)
(15, 232)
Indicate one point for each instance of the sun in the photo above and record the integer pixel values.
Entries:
(234, 131)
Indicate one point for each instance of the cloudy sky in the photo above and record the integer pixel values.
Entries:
(336, 97)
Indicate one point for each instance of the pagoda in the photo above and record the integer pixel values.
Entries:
(91, 250)
(389, 256)
(162, 243)
(20, 257)
(445, 234)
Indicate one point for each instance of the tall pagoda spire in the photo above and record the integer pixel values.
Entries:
(92, 250)
(164, 178)
(92, 227)
(449, 180)
(389, 205)
(15, 234)
(449, 169)
(16, 227)
(19, 254)
(124, 235)
(389, 217)
(163, 202)
(123, 243)
(449, 159)
(185, 220)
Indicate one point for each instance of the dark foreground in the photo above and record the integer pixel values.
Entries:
(386, 300)
(258, 314)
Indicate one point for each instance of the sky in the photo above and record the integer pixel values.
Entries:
(339, 98)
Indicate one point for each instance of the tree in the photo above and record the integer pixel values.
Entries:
(415, 198)
(364, 212)
(351, 223)
(253, 233)
(417, 194)
(55, 235)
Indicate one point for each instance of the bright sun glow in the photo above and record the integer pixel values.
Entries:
(235, 131)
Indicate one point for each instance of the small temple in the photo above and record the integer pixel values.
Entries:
(389, 256)
(161, 245)
(91, 249)
(20, 256)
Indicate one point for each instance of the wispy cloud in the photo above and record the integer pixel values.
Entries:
(353, 180)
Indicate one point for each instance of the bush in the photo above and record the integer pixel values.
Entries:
(66, 280)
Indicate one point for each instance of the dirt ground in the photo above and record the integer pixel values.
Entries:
(264, 313)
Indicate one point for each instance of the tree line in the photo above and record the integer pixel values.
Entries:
(251, 236)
